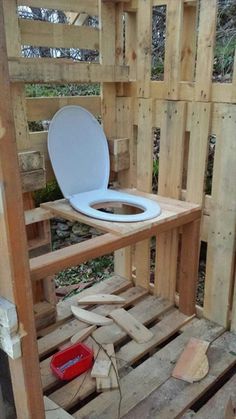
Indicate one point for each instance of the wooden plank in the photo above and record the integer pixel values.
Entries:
(189, 32)
(59, 35)
(192, 364)
(62, 333)
(145, 311)
(182, 395)
(110, 382)
(91, 318)
(53, 411)
(221, 237)
(127, 355)
(133, 388)
(189, 262)
(216, 406)
(44, 108)
(88, 6)
(143, 48)
(30, 160)
(32, 181)
(14, 269)
(133, 328)
(173, 121)
(233, 314)
(198, 151)
(83, 334)
(101, 367)
(55, 70)
(101, 299)
(53, 262)
(144, 183)
(36, 215)
(205, 50)
(172, 63)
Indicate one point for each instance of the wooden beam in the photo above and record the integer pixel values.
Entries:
(87, 6)
(15, 280)
(58, 35)
(52, 70)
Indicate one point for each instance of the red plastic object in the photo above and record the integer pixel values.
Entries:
(66, 365)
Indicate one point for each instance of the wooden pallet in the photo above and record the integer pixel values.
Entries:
(146, 385)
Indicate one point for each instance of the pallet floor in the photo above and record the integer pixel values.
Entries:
(147, 389)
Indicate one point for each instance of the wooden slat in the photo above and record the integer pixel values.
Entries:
(36, 215)
(63, 333)
(88, 6)
(143, 51)
(131, 326)
(189, 33)
(216, 406)
(233, 319)
(198, 151)
(189, 261)
(128, 354)
(44, 108)
(59, 35)
(144, 183)
(52, 70)
(170, 183)
(174, 397)
(172, 63)
(133, 388)
(221, 238)
(205, 50)
(53, 411)
(14, 268)
(32, 181)
(145, 311)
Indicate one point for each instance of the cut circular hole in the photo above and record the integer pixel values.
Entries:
(117, 208)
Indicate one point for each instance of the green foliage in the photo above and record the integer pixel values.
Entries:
(52, 90)
(50, 193)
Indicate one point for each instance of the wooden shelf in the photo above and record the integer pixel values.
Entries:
(174, 214)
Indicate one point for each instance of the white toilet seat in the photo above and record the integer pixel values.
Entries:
(83, 202)
(79, 155)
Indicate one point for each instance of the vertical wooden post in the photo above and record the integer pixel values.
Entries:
(172, 63)
(189, 260)
(189, 40)
(205, 50)
(173, 124)
(15, 284)
(222, 234)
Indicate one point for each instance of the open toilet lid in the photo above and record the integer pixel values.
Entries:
(78, 151)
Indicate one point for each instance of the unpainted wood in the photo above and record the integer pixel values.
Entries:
(83, 334)
(90, 318)
(192, 364)
(101, 299)
(132, 327)
(221, 236)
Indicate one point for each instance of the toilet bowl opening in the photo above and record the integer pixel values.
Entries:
(114, 207)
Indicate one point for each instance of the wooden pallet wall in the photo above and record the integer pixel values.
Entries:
(186, 106)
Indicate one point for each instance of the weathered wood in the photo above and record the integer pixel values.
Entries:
(90, 318)
(89, 6)
(131, 326)
(15, 279)
(221, 237)
(192, 364)
(53, 411)
(205, 50)
(83, 334)
(110, 382)
(51, 70)
(46, 34)
(101, 299)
